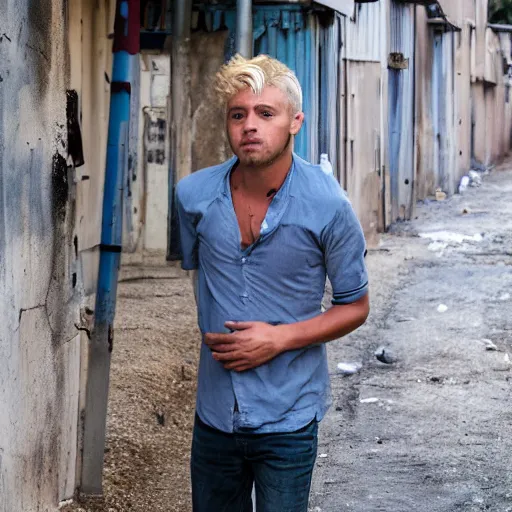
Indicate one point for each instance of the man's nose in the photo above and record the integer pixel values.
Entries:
(250, 124)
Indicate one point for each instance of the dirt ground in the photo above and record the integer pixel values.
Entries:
(430, 432)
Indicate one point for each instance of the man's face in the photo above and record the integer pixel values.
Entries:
(260, 127)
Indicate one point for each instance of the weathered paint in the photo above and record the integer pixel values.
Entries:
(365, 96)
(401, 112)
(363, 177)
(363, 35)
(40, 288)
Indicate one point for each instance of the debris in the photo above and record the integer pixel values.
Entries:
(322, 455)
(403, 319)
(442, 308)
(489, 345)
(505, 296)
(160, 417)
(440, 195)
(465, 210)
(349, 368)
(408, 257)
(437, 246)
(507, 358)
(65, 503)
(450, 237)
(371, 400)
(325, 164)
(384, 355)
(475, 179)
(464, 182)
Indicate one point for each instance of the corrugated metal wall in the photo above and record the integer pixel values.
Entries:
(310, 46)
(363, 37)
(401, 112)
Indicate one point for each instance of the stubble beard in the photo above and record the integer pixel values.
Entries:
(255, 162)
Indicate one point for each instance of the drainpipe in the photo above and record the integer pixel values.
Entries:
(181, 116)
(244, 28)
(126, 44)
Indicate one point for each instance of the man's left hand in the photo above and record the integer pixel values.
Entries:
(251, 344)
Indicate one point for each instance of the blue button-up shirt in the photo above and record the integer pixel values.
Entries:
(310, 230)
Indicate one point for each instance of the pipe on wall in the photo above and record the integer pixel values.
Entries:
(181, 116)
(244, 37)
(126, 44)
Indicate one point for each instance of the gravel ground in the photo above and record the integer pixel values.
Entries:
(436, 435)
(152, 394)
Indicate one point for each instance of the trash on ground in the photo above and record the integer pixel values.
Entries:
(405, 319)
(475, 178)
(349, 368)
(450, 237)
(442, 308)
(507, 358)
(437, 246)
(370, 400)
(464, 183)
(489, 345)
(65, 503)
(465, 210)
(505, 296)
(384, 355)
(322, 455)
(440, 195)
(325, 164)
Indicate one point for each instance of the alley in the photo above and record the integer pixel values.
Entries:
(437, 439)
(435, 435)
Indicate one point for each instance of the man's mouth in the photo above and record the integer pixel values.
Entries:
(251, 144)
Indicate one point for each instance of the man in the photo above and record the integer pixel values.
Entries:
(263, 229)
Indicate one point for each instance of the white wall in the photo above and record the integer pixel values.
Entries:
(146, 230)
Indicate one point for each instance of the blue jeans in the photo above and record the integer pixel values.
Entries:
(225, 466)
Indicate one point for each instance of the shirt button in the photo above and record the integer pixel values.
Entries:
(244, 260)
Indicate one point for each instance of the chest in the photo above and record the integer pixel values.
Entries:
(249, 215)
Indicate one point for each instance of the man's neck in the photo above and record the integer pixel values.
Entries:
(259, 181)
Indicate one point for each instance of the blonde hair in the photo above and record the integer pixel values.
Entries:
(257, 73)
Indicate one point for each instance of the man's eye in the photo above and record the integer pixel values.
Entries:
(237, 116)
(266, 113)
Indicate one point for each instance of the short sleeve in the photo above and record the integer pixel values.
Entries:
(344, 251)
(188, 235)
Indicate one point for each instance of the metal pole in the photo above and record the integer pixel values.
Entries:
(244, 28)
(126, 44)
(181, 116)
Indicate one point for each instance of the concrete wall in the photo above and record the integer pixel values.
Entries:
(209, 141)
(39, 280)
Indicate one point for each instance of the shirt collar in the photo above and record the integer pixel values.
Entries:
(278, 204)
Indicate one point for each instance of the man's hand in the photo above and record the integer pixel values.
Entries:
(250, 345)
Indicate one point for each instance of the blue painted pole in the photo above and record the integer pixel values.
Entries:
(126, 44)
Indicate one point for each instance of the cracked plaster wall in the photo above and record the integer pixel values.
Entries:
(39, 280)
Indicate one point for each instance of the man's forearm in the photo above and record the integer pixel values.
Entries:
(333, 324)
